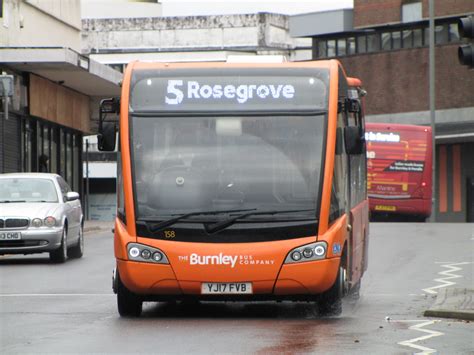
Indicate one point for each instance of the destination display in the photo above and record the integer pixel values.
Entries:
(229, 93)
(386, 137)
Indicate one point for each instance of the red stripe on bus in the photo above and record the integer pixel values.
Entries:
(457, 178)
(443, 191)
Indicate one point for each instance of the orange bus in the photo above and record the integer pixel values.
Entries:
(399, 171)
(233, 183)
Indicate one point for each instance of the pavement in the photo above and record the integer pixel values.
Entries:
(455, 303)
(98, 226)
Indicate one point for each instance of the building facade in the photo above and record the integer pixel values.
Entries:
(387, 48)
(383, 42)
(54, 85)
(192, 38)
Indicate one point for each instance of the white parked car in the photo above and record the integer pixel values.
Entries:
(39, 213)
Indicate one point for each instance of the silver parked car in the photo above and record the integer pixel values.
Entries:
(39, 213)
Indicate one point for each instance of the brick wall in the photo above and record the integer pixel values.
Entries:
(381, 12)
(376, 12)
(397, 81)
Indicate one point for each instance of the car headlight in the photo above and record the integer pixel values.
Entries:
(50, 221)
(36, 222)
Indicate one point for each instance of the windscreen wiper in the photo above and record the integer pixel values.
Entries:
(224, 224)
(11, 201)
(157, 227)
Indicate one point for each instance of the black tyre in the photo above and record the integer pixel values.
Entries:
(330, 302)
(60, 255)
(129, 304)
(78, 250)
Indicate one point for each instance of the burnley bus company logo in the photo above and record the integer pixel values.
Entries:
(222, 259)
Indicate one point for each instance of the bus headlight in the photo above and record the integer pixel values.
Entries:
(146, 254)
(134, 252)
(319, 250)
(309, 252)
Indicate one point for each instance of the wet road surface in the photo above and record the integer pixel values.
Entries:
(70, 308)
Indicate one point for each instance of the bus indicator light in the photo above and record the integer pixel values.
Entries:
(296, 256)
(157, 256)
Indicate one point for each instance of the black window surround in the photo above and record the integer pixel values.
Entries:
(385, 38)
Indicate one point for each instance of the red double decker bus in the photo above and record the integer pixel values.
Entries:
(399, 167)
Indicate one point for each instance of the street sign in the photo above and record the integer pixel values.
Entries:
(6, 91)
(6, 85)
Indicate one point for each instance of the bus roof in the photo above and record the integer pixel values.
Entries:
(161, 65)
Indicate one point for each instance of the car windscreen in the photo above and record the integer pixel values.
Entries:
(27, 190)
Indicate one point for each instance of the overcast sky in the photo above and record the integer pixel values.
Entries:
(216, 7)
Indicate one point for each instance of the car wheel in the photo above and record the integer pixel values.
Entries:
(78, 250)
(129, 304)
(60, 255)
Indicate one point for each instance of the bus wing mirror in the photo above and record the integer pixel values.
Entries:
(107, 129)
(106, 137)
(353, 140)
(353, 105)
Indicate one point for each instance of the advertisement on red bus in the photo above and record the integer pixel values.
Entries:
(399, 168)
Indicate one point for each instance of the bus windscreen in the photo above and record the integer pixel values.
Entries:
(217, 163)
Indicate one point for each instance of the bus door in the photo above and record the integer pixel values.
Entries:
(357, 206)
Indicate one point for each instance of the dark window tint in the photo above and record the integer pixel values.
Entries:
(361, 44)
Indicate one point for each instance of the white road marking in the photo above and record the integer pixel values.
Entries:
(56, 294)
(448, 275)
(418, 327)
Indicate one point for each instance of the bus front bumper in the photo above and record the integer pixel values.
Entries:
(294, 281)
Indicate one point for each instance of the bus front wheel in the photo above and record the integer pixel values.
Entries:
(129, 304)
(330, 302)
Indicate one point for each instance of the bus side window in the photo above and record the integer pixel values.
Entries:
(120, 193)
(335, 210)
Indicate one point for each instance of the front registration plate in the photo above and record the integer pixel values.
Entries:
(10, 236)
(226, 288)
(385, 208)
